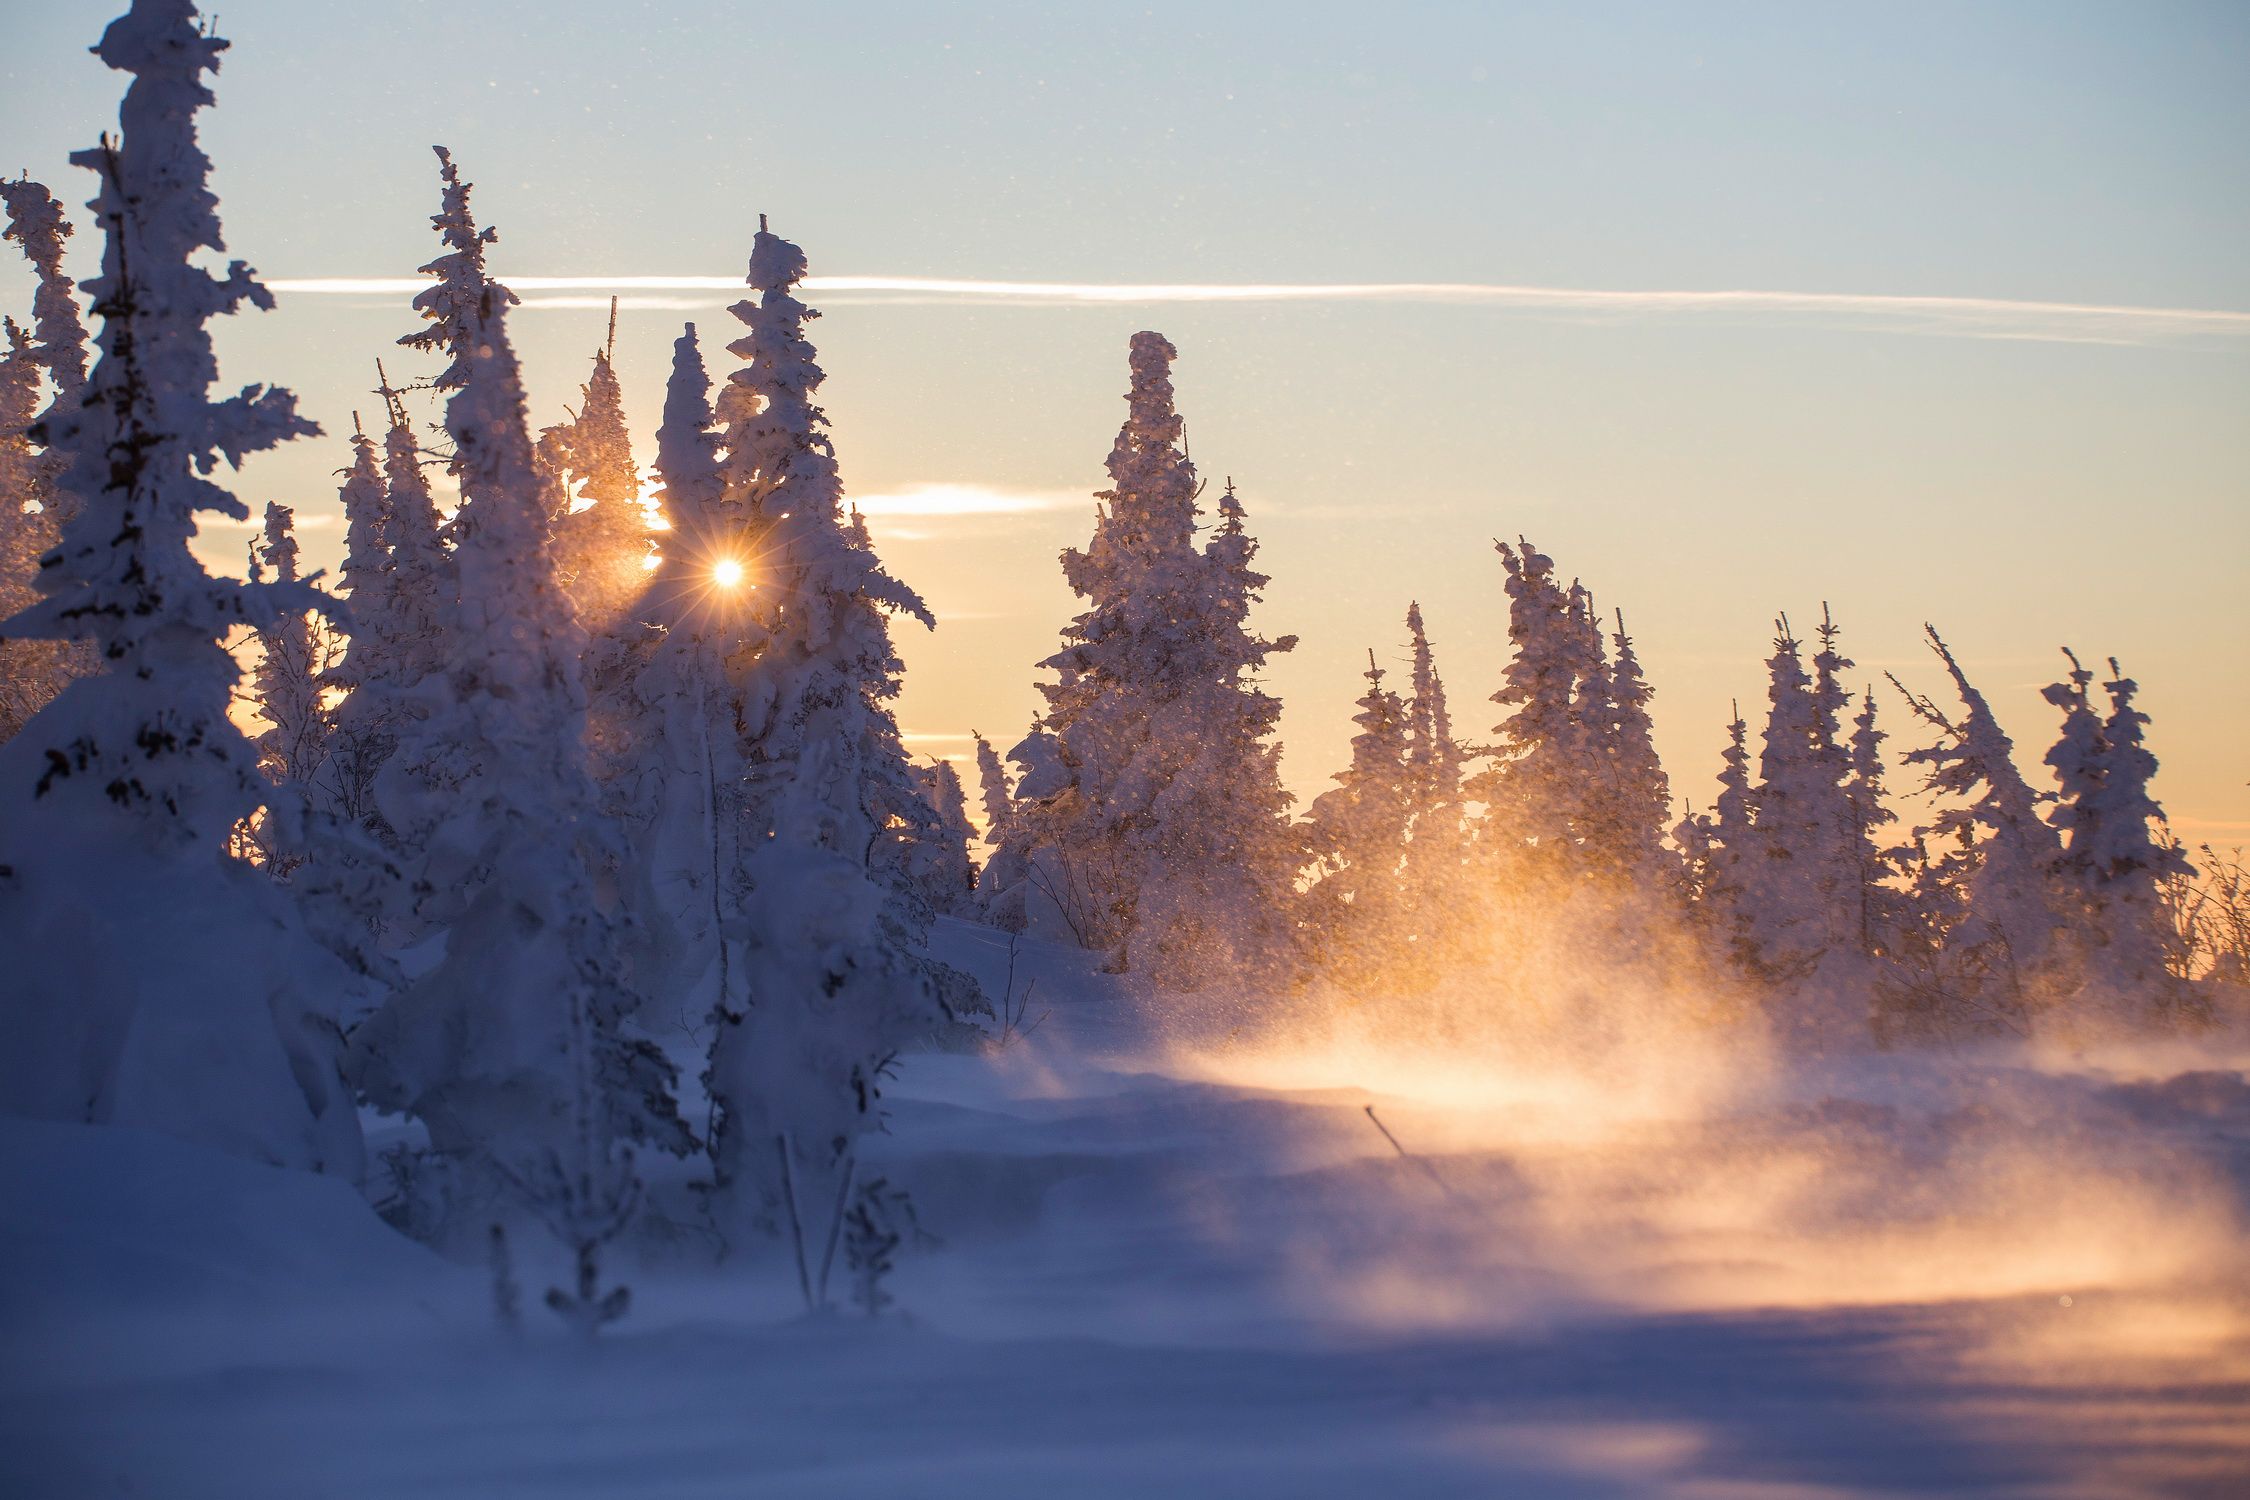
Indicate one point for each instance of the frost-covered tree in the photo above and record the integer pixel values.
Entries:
(2114, 862)
(1358, 829)
(834, 983)
(602, 537)
(421, 585)
(360, 738)
(1166, 844)
(1882, 916)
(514, 1050)
(1434, 765)
(31, 671)
(36, 222)
(1722, 846)
(1634, 799)
(1994, 871)
(154, 981)
(1803, 893)
(934, 856)
(1005, 869)
(292, 653)
(1534, 789)
(678, 778)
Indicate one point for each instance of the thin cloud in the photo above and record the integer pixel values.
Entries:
(950, 499)
(1967, 317)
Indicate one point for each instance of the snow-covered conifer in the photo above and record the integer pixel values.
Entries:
(1637, 800)
(292, 655)
(833, 982)
(35, 221)
(935, 856)
(1997, 857)
(2113, 863)
(1434, 763)
(493, 1048)
(31, 671)
(155, 981)
(1358, 829)
(1167, 844)
(602, 538)
(1534, 789)
(678, 777)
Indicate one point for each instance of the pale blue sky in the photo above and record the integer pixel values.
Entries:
(1702, 471)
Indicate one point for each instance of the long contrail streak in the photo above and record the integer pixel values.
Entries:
(1975, 317)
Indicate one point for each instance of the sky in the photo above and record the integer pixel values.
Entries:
(1944, 397)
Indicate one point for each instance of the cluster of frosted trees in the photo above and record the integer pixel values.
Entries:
(1147, 819)
(540, 782)
(576, 768)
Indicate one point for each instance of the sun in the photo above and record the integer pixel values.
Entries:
(727, 573)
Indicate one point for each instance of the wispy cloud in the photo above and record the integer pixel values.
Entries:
(1967, 317)
(942, 498)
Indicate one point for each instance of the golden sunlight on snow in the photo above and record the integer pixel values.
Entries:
(727, 573)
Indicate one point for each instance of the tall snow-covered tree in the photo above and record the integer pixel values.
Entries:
(1534, 789)
(1434, 763)
(32, 672)
(421, 585)
(1158, 722)
(833, 981)
(514, 1050)
(1722, 846)
(287, 680)
(32, 505)
(1634, 799)
(1996, 864)
(1359, 828)
(602, 538)
(679, 780)
(360, 737)
(155, 981)
(934, 857)
(36, 222)
(1882, 916)
(2113, 864)
(1804, 893)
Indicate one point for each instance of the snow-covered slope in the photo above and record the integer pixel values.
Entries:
(1166, 1256)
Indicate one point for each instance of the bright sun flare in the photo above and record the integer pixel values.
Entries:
(727, 573)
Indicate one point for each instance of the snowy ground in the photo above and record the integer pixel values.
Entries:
(1176, 1261)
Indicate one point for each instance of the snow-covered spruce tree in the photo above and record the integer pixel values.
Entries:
(1993, 872)
(31, 672)
(1722, 848)
(1786, 903)
(678, 775)
(1633, 805)
(1002, 875)
(513, 1051)
(421, 585)
(602, 536)
(1221, 903)
(1163, 846)
(1434, 761)
(1534, 789)
(1358, 831)
(1883, 916)
(833, 981)
(32, 505)
(153, 980)
(935, 856)
(36, 222)
(359, 733)
(2113, 864)
(292, 656)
